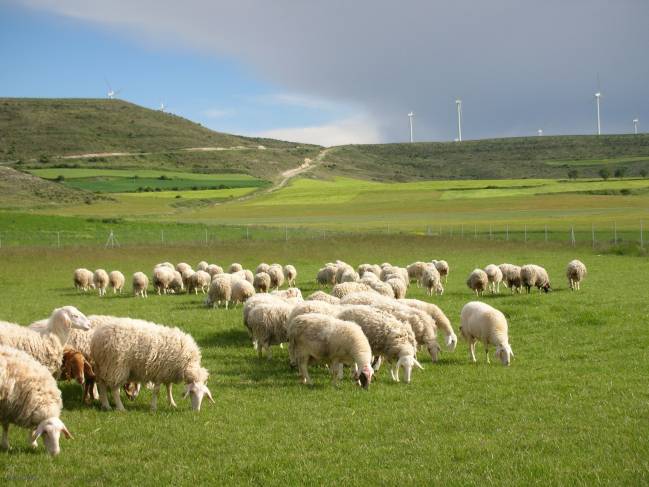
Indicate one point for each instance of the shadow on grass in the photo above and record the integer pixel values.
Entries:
(231, 338)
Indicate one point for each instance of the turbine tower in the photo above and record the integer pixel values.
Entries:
(598, 95)
(111, 93)
(635, 125)
(162, 106)
(410, 116)
(540, 132)
(458, 104)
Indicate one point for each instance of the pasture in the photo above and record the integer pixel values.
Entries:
(573, 409)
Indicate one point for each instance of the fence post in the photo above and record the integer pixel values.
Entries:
(206, 237)
(451, 231)
(572, 235)
(592, 231)
(428, 231)
(507, 232)
(490, 234)
(641, 237)
(162, 236)
(247, 232)
(286, 233)
(525, 233)
(475, 231)
(58, 239)
(615, 233)
(462, 231)
(546, 234)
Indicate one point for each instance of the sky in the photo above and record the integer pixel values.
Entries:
(337, 71)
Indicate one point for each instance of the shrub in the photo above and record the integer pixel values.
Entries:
(573, 174)
(44, 158)
(60, 178)
(604, 173)
(620, 172)
(643, 172)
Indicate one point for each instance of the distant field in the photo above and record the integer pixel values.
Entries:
(123, 181)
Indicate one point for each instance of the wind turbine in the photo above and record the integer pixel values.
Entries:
(598, 95)
(162, 106)
(635, 125)
(458, 104)
(111, 93)
(540, 132)
(410, 117)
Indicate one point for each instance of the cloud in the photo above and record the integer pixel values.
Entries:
(518, 65)
(354, 130)
(298, 100)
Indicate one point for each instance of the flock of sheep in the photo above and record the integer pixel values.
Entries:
(365, 321)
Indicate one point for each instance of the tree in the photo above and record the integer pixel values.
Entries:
(573, 173)
(604, 173)
(643, 172)
(620, 172)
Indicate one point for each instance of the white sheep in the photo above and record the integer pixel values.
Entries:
(163, 276)
(443, 268)
(478, 281)
(183, 266)
(291, 274)
(241, 291)
(479, 321)
(83, 279)
(220, 291)
(176, 285)
(166, 264)
(416, 270)
(533, 275)
(261, 282)
(100, 279)
(140, 284)
(235, 267)
(322, 296)
(368, 269)
(186, 276)
(324, 338)
(129, 350)
(344, 288)
(263, 267)
(116, 280)
(214, 269)
(377, 285)
(202, 266)
(326, 276)
(45, 345)
(342, 268)
(29, 398)
(431, 280)
(276, 273)
(421, 323)
(267, 323)
(441, 320)
(199, 280)
(495, 277)
(244, 274)
(349, 275)
(575, 272)
(511, 277)
(289, 293)
(313, 306)
(399, 287)
(390, 339)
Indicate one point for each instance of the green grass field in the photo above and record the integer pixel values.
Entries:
(573, 409)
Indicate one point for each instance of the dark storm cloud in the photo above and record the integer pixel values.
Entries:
(517, 65)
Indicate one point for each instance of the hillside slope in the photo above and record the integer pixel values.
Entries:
(523, 157)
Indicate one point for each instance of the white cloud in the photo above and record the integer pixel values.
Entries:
(298, 100)
(354, 130)
(218, 112)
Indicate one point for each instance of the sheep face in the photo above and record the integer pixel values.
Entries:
(50, 429)
(504, 354)
(364, 377)
(451, 342)
(434, 350)
(73, 366)
(197, 390)
(547, 288)
(407, 362)
(73, 317)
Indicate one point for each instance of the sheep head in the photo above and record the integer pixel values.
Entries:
(197, 390)
(50, 429)
(407, 362)
(364, 377)
(71, 317)
(451, 342)
(73, 366)
(434, 349)
(504, 353)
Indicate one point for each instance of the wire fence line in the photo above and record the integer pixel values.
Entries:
(594, 235)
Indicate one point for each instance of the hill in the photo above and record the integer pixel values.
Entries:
(522, 157)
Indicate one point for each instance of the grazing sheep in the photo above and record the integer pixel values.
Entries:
(441, 320)
(245, 275)
(575, 272)
(511, 277)
(390, 339)
(314, 306)
(372, 269)
(267, 323)
(261, 282)
(128, 350)
(322, 296)
(83, 279)
(416, 271)
(290, 293)
(479, 321)
(220, 291)
(443, 268)
(116, 280)
(186, 276)
(100, 279)
(166, 264)
(263, 267)
(183, 266)
(214, 269)
(534, 275)
(29, 398)
(163, 276)
(323, 338)
(202, 266)
(398, 287)
(140, 284)
(478, 281)
(495, 277)
(276, 274)
(379, 286)
(241, 291)
(257, 300)
(422, 324)
(76, 367)
(344, 288)
(199, 280)
(176, 285)
(291, 274)
(45, 345)
(235, 267)
(326, 276)
(431, 280)
(349, 275)
(342, 268)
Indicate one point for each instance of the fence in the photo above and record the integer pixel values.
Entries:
(106, 235)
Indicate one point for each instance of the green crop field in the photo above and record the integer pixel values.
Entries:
(572, 409)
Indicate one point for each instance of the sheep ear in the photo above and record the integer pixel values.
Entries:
(209, 394)
(37, 432)
(418, 364)
(67, 434)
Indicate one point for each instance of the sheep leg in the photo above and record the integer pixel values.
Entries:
(4, 445)
(377, 363)
(117, 400)
(103, 396)
(270, 352)
(170, 396)
(31, 441)
(260, 350)
(486, 351)
(304, 372)
(334, 373)
(472, 350)
(154, 397)
(394, 372)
